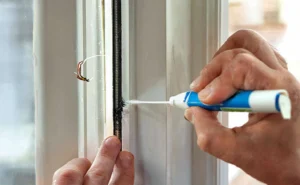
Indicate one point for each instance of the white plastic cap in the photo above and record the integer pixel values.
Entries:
(285, 106)
(263, 101)
(178, 101)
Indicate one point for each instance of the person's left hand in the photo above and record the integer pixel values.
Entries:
(111, 166)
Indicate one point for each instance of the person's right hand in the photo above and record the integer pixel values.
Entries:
(266, 147)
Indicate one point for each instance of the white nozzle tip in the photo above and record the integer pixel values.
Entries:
(178, 101)
(171, 100)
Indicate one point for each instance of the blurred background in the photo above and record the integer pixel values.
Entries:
(278, 22)
(16, 93)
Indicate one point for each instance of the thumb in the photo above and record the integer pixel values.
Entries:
(212, 137)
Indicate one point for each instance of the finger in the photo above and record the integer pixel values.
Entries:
(102, 167)
(212, 137)
(215, 67)
(245, 72)
(72, 173)
(253, 42)
(123, 173)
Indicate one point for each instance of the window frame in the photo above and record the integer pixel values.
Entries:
(201, 27)
(56, 114)
(211, 32)
(93, 99)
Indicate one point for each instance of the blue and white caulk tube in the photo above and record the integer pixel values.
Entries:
(268, 101)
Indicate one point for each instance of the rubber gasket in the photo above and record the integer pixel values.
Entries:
(118, 102)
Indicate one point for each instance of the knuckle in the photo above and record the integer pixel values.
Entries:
(248, 39)
(229, 55)
(244, 33)
(238, 51)
(243, 71)
(69, 176)
(243, 59)
(204, 142)
(241, 63)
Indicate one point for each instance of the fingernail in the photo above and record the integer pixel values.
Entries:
(126, 160)
(195, 83)
(112, 142)
(205, 93)
(189, 116)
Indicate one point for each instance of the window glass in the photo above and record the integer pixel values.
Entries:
(16, 93)
(277, 21)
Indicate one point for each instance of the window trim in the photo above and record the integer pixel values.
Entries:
(95, 98)
(54, 43)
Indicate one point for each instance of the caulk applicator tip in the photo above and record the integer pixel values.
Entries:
(136, 102)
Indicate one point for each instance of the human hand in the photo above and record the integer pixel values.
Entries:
(266, 147)
(109, 167)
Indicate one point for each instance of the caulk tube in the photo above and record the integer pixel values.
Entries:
(267, 101)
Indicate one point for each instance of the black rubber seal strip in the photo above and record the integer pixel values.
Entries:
(118, 102)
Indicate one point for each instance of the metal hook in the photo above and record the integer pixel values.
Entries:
(79, 68)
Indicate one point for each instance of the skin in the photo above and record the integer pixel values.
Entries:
(109, 167)
(266, 147)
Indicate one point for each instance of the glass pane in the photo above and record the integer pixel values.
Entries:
(277, 21)
(16, 93)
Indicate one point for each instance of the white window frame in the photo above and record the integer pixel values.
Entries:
(192, 37)
(93, 99)
(153, 31)
(56, 114)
